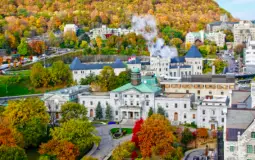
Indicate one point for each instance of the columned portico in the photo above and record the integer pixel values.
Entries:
(128, 112)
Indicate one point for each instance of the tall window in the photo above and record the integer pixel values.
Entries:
(203, 111)
(185, 105)
(116, 95)
(252, 134)
(193, 116)
(232, 148)
(185, 115)
(91, 102)
(176, 105)
(198, 91)
(116, 113)
(147, 103)
(249, 149)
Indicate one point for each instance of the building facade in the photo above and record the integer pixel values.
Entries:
(201, 85)
(243, 32)
(223, 24)
(133, 101)
(249, 56)
(70, 28)
(211, 111)
(239, 134)
(82, 70)
(217, 37)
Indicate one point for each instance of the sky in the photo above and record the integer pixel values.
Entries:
(242, 9)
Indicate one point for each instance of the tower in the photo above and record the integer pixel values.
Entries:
(135, 77)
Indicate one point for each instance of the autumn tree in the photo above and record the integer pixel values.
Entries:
(23, 47)
(60, 73)
(30, 118)
(12, 152)
(61, 150)
(123, 151)
(88, 158)
(108, 112)
(150, 112)
(39, 76)
(229, 36)
(156, 136)
(107, 79)
(202, 133)
(37, 47)
(83, 131)
(70, 39)
(72, 110)
(136, 130)
(239, 49)
(176, 42)
(99, 111)
(219, 65)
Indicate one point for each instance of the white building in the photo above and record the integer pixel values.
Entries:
(55, 99)
(249, 57)
(253, 94)
(217, 37)
(210, 113)
(104, 32)
(239, 134)
(223, 24)
(82, 70)
(133, 101)
(243, 32)
(191, 64)
(201, 85)
(70, 27)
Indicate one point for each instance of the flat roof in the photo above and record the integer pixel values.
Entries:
(216, 99)
(205, 79)
(175, 95)
(240, 96)
(95, 94)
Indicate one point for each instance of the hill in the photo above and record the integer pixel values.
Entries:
(41, 15)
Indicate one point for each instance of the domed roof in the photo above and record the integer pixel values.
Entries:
(135, 70)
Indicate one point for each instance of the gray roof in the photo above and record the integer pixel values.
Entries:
(238, 120)
(183, 66)
(240, 96)
(218, 23)
(193, 53)
(209, 78)
(178, 60)
(77, 65)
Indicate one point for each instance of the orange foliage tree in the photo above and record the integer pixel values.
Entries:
(156, 136)
(61, 149)
(202, 133)
(37, 47)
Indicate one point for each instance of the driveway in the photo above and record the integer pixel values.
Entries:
(194, 153)
(107, 143)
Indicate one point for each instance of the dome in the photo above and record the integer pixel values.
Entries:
(135, 70)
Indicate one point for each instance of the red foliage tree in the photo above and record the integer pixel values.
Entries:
(37, 46)
(134, 155)
(136, 129)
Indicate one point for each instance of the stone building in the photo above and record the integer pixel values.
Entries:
(223, 24)
(243, 32)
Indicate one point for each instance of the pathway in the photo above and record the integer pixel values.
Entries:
(107, 143)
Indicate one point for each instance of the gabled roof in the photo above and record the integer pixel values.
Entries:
(178, 60)
(77, 65)
(145, 88)
(193, 53)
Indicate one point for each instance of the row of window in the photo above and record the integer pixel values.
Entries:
(131, 96)
(212, 111)
(222, 120)
(175, 105)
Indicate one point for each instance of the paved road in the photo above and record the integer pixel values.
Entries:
(107, 143)
(198, 152)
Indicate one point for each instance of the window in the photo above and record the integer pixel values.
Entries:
(83, 102)
(125, 102)
(222, 93)
(147, 103)
(222, 113)
(185, 116)
(125, 95)
(187, 91)
(131, 96)
(252, 134)
(203, 111)
(56, 107)
(213, 112)
(91, 102)
(249, 149)
(203, 119)
(210, 92)
(137, 96)
(137, 103)
(222, 119)
(193, 116)
(232, 148)
(116, 95)
(198, 91)
(185, 105)
(176, 105)
(198, 97)
(166, 114)
(147, 96)
(131, 103)
(116, 113)
(166, 105)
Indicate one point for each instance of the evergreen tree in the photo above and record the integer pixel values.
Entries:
(150, 112)
(99, 111)
(161, 111)
(108, 112)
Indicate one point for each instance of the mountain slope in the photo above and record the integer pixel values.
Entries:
(38, 16)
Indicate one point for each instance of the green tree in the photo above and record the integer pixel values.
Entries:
(53, 39)
(229, 36)
(204, 50)
(23, 47)
(107, 79)
(99, 111)
(12, 153)
(88, 158)
(37, 75)
(187, 137)
(219, 66)
(161, 111)
(30, 118)
(124, 78)
(123, 151)
(108, 112)
(60, 73)
(89, 79)
(176, 42)
(172, 33)
(72, 110)
(83, 131)
(150, 112)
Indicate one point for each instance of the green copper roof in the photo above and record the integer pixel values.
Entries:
(142, 88)
(152, 81)
(135, 70)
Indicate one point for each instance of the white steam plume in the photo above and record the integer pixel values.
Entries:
(147, 27)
